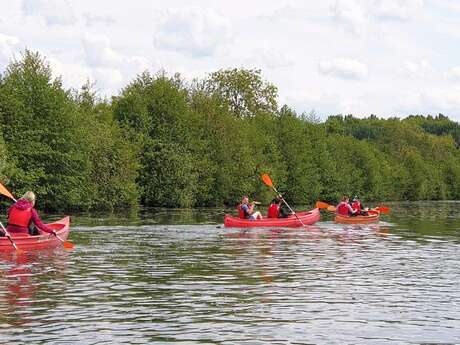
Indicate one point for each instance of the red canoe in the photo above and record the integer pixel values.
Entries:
(373, 217)
(307, 218)
(42, 241)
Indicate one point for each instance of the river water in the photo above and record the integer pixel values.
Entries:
(180, 277)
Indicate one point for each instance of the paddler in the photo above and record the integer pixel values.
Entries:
(356, 205)
(246, 209)
(274, 208)
(277, 209)
(344, 208)
(22, 216)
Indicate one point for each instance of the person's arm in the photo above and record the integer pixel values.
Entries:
(246, 210)
(351, 209)
(38, 222)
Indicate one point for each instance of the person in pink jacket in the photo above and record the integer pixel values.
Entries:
(22, 216)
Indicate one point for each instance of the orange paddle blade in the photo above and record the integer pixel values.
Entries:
(267, 180)
(6, 192)
(382, 209)
(68, 245)
(320, 204)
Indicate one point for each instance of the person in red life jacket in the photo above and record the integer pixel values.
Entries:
(344, 208)
(22, 215)
(274, 208)
(246, 209)
(356, 205)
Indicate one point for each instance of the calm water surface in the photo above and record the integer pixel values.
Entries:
(153, 279)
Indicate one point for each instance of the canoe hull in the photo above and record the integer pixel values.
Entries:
(307, 218)
(42, 241)
(371, 218)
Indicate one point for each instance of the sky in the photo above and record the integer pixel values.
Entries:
(361, 57)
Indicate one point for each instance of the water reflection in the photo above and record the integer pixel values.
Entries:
(394, 282)
(22, 283)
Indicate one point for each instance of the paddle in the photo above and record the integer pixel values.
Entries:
(268, 181)
(331, 208)
(320, 205)
(66, 244)
(7, 234)
(4, 191)
(382, 209)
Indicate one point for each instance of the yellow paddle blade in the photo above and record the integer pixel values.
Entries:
(267, 180)
(6, 192)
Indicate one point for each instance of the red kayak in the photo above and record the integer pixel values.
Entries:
(307, 218)
(44, 240)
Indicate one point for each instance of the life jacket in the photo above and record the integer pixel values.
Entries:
(356, 205)
(20, 217)
(274, 211)
(241, 213)
(342, 209)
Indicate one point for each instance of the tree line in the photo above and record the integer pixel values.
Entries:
(165, 141)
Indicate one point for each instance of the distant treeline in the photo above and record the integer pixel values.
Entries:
(165, 141)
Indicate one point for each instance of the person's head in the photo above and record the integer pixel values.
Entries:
(29, 196)
(345, 198)
(245, 199)
(355, 198)
(276, 201)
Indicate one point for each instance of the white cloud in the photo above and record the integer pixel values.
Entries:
(195, 31)
(74, 75)
(55, 12)
(267, 58)
(109, 78)
(295, 44)
(8, 46)
(441, 100)
(305, 100)
(454, 73)
(450, 5)
(417, 69)
(396, 9)
(344, 68)
(351, 15)
(99, 53)
(92, 20)
(429, 101)
(108, 67)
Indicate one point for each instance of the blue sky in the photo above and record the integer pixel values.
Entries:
(383, 57)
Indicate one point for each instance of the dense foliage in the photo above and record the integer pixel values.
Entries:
(166, 142)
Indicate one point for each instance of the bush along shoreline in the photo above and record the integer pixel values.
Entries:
(164, 141)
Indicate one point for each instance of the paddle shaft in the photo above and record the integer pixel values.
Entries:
(293, 212)
(7, 234)
(58, 237)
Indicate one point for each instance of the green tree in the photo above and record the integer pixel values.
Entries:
(244, 90)
(155, 111)
(113, 159)
(40, 127)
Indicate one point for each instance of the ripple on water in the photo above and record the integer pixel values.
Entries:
(376, 284)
